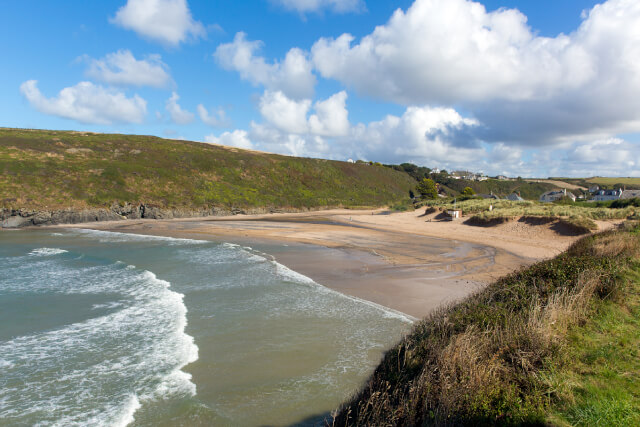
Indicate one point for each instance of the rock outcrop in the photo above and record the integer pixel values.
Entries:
(18, 218)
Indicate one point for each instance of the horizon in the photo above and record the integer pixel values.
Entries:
(525, 88)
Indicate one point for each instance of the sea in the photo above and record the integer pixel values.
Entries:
(113, 329)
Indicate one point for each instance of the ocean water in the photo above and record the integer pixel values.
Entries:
(114, 329)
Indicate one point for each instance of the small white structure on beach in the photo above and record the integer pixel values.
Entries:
(454, 214)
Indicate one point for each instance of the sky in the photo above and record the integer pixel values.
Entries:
(530, 88)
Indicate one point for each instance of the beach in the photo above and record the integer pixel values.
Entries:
(409, 262)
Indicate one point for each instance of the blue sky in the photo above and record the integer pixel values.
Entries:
(531, 88)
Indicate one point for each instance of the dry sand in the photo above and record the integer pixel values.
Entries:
(405, 261)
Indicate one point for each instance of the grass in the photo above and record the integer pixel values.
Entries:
(630, 181)
(56, 169)
(578, 217)
(600, 381)
(553, 343)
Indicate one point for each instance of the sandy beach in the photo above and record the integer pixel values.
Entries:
(407, 261)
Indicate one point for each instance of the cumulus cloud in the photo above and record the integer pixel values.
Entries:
(293, 76)
(306, 6)
(332, 117)
(178, 115)
(121, 68)
(215, 118)
(237, 138)
(286, 114)
(166, 21)
(87, 103)
(523, 88)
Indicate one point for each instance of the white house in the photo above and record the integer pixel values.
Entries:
(606, 195)
(552, 196)
(351, 161)
(515, 197)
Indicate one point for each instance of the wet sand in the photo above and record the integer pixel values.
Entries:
(390, 260)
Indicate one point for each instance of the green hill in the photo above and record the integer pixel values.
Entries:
(557, 343)
(42, 169)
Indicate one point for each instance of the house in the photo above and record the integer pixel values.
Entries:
(630, 194)
(515, 197)
(502, 177)
(594, 189)
(350, 161)
(552, 196)
(606, 195)
(489, 196)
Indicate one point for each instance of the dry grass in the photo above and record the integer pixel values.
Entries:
(481, 361)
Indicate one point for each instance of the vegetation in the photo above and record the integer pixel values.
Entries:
(610, 183)
(427, 188)
(557, 342)
(468, 191)
(56, 169)
(578, 217)
(501, 188)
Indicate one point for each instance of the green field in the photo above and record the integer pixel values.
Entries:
(612, 181)
(56, 169)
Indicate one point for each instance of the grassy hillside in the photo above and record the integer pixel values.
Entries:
(612, 182)
(501, 188)
(555, 343)
(57, 169)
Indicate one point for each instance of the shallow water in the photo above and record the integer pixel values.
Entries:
(100, 328)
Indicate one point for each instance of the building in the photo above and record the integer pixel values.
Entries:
(606, 195)
(630, 194)
(350, 161)
(552, 196)
(454, 214)
(489, 196)
(515, 197)
(594, 189)
(502, 177)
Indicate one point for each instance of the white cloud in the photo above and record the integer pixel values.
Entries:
(237, 138)
(87, 103)
(293, 76)
(122, 68)
(332, 117)
(166, 21)
(214, 119)
(337, 6)
(523, 88)
(178, 115)
(286, 114)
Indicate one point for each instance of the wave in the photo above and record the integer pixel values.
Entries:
(47, 251)
(287, 274)
(83, 373)
(119, 237)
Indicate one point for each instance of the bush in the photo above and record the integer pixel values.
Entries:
(427, 188)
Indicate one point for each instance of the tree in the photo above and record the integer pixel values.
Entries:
(427, 188)
(468, 191)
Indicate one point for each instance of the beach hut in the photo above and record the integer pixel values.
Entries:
(454, 214)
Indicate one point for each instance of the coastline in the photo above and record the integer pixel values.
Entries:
(402, 261)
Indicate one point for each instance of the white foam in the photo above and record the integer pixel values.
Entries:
(126, 416)
(290, 275)
(117, 237)
(143, 344)
(47, 251)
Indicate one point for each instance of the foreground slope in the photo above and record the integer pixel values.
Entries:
(55, 169)
(555, 343)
